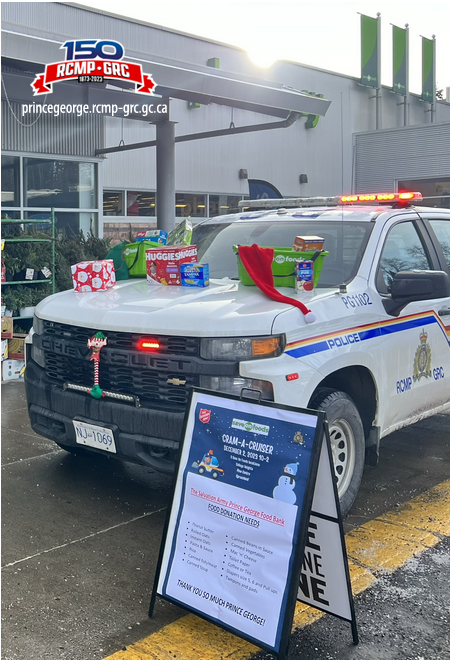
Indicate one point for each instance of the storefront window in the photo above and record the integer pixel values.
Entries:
(67, 223)
(436, 192)
(141, 203)
(10, 181)
(113, 202)
(190, 205)
(59, 183)
(223, 204)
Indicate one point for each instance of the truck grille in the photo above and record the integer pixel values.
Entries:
(67, 360)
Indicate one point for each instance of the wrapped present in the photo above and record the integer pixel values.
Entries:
(164, 262)
(93, 275)
(153, 235)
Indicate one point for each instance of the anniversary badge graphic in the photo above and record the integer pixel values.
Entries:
(93, 60)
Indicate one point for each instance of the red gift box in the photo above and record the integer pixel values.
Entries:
(163, 262)
(93, 275)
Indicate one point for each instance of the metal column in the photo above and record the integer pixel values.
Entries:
(165, 174)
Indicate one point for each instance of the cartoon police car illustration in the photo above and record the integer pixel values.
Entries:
(209, 465)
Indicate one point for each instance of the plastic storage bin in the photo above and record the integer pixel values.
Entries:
(283, 266)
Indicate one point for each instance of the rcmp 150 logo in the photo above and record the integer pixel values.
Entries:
(93, 60)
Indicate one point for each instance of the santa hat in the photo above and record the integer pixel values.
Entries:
(257, 262)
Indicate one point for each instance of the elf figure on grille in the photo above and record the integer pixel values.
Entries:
(96, 343)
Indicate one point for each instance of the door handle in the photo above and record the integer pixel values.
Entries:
(445, 311)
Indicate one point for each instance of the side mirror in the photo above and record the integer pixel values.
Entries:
(412, 285)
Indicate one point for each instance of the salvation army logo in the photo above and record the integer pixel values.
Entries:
(93, 60)
(204, 415)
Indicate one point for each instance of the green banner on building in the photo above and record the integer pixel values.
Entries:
(370, 44)
(400, 60)
(428, 70)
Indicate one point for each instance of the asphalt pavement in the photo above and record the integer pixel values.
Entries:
(81, 535)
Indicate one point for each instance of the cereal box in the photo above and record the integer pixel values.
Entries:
(164, 262)
(195, 274)
(154, 235)
(308, 243)
(93, 275)
(304, 276)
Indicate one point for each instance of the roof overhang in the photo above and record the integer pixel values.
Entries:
(174, 79)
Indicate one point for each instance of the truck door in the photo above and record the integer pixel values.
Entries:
(417, 340)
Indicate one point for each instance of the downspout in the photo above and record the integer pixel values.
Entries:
(284, 123)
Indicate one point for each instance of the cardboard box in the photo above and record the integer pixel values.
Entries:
(182, 234)
(154, 235)
(4, 349)
(13, 369)
(194, 274)
(163, 263)
(93, 275)
(16, 347)
(308, 243)
(7, 327)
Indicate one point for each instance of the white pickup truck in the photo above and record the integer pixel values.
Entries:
(377, 357)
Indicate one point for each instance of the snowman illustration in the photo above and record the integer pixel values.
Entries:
(284, 491)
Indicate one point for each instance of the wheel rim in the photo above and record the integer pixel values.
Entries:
(343, 451)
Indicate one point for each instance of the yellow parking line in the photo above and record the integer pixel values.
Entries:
(377, 547)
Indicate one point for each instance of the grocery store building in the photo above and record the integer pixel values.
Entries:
(226, 129)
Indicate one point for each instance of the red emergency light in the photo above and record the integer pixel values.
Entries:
(381, 197)
(148, 344)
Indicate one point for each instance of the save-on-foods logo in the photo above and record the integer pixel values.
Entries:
(93, 60)
(250, 427)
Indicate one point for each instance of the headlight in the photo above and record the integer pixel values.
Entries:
(38, 325)
(242, 348)
(38, 355)
(235, 385)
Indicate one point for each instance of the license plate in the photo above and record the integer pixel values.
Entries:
(94, 436)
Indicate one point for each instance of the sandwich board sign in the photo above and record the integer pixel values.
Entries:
(239, 523)
(324, 578)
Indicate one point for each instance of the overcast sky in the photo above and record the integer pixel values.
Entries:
(321, 34)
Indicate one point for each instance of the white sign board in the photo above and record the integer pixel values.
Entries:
(238, 525)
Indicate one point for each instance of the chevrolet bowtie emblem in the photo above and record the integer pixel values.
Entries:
(175, 381)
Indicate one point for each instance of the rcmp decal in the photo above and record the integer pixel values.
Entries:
(344, 338)
(421, 366)
(422, 359)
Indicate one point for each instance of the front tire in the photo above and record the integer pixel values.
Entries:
(347, 442)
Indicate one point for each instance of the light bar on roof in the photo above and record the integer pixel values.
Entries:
(381, 197)
(249, 204)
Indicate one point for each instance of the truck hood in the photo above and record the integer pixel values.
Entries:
(225, 308)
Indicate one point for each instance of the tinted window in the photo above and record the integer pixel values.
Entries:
(403, 250)
(442, 230)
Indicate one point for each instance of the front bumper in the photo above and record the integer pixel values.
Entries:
(143, 435)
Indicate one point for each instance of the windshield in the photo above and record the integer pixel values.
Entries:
(345, 242)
